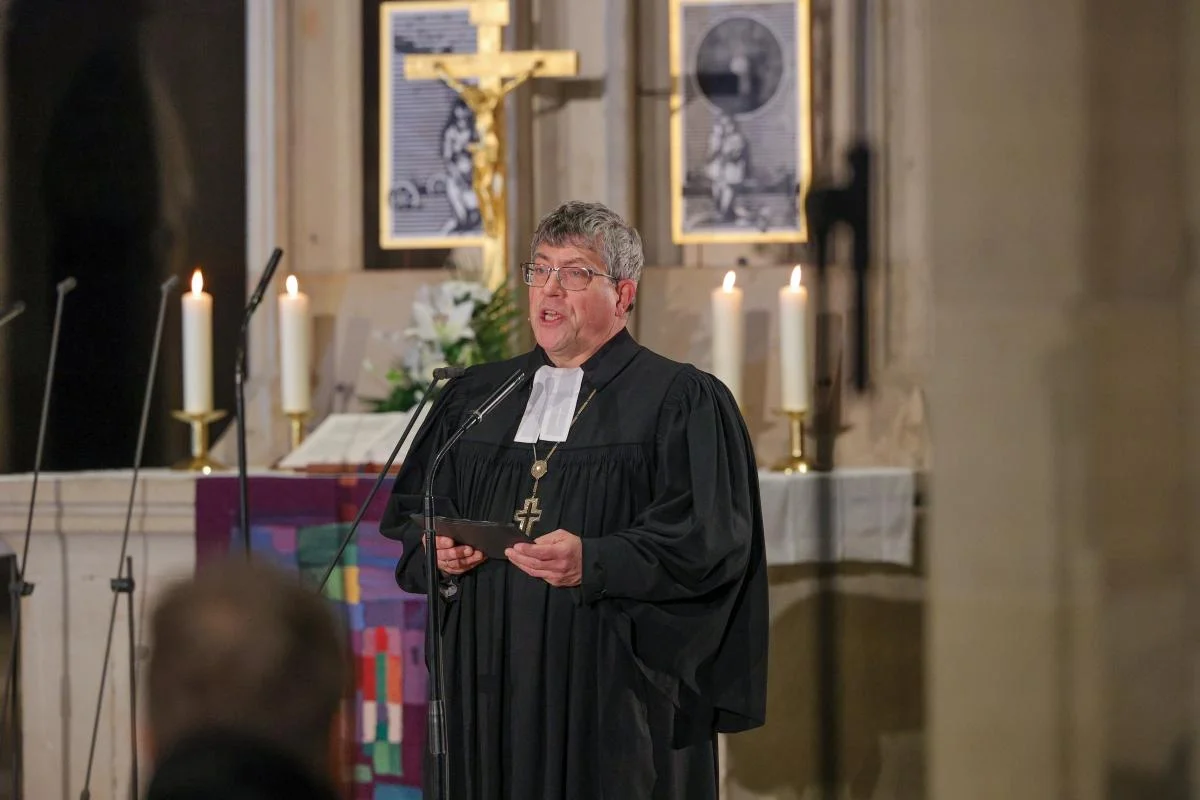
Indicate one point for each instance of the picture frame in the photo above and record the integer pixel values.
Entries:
(742, 120)
(426, 195)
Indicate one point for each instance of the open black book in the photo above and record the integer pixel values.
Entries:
(493, 538)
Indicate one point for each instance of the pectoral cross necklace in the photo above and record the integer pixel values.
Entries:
(531, 512)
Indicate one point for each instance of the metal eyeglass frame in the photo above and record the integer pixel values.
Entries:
(527, 275)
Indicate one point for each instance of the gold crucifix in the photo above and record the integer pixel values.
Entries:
(528, 514)
(497, 73)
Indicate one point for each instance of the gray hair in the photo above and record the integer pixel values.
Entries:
(597, 227)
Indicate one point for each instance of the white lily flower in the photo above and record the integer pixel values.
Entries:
(437, 320)
(443, 320)
(421, 358)
(468, 290)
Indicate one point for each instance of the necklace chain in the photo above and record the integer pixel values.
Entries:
(531, 512)
(541, 465)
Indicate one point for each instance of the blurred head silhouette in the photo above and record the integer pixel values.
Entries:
(247, 677)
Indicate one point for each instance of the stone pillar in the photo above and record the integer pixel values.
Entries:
(904, 322)
(266, 181)
(522, 216)
(324, 128)
(1060, 648)
(303, 178)
(569, 125)
(620, 105)
(653, 134)
(1189, 42)
(582, 128)
(1138, 318)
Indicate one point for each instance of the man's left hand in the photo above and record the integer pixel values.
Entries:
(556, 558)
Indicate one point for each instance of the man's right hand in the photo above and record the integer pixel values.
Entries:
(454, 558)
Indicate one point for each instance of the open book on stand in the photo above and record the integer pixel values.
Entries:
(352, 443)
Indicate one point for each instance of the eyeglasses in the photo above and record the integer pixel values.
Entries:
(573, 279)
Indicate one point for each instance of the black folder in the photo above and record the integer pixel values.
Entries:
(493, 538)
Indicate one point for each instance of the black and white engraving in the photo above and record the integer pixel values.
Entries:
(426, 181)
(741, 138)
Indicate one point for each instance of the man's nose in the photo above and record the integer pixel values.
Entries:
(553, 284)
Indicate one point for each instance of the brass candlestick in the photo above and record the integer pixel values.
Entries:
(200, 460)
(296, 420)
(797, 458)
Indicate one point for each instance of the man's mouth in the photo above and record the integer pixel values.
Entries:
(550, 315)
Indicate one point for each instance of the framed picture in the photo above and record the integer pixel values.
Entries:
(426, 194)
(741, 120)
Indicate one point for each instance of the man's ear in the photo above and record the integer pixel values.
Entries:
(626, 295)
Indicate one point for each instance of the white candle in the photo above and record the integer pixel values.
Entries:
(295, 348)
(793, 344)
(197, 348)
(727, 335)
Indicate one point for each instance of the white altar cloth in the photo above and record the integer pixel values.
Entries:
(873, 515)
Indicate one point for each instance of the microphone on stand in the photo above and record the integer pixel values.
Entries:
(124, 584)
(18, 586)
(439, 374)
(16, 310)
(239, 380)
(437, 685)
(448, 373)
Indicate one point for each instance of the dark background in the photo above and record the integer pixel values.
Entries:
(126, 164)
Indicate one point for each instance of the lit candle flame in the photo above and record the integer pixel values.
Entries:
(197, 283)
(293, 286)
(730, 277)
(796, 279)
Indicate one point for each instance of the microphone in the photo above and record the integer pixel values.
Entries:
(436, 721)
(264, 281)
(17, 309)
(18, 587)
(448, 373)
(438, 375)
(124, 584)
(239, 380)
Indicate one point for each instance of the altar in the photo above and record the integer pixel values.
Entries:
(181, 520)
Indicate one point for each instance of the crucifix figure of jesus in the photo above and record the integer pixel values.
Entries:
(496, 74)
(486, 154)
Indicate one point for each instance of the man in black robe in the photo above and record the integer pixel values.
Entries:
(601, 658)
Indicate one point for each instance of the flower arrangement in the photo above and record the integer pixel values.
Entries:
(455, 323)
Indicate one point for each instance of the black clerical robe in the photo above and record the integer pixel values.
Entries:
(617, 687)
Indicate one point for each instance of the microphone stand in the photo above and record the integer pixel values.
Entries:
(825, 207)
(239, 380)
(18, 587)
(439, 374)
(18, 308)
(437, 685)
(125, 584)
